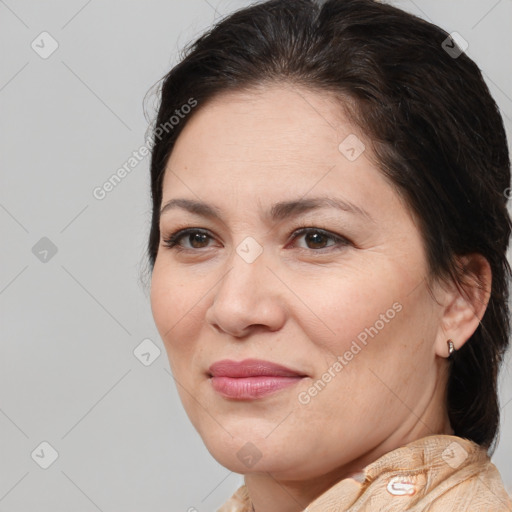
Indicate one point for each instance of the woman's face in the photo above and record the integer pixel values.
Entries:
(343, 307)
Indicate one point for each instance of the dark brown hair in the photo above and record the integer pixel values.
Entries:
(436, 132)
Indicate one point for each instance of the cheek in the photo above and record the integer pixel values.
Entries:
(368, 334)
(347, 307)
(377, 361)
(175, 306)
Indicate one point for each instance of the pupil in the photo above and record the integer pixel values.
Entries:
(316, 236)
(196, 237)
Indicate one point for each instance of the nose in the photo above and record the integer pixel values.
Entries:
(249, 296)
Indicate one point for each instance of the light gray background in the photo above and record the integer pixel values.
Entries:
(69, 326)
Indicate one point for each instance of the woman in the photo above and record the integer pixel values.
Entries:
(328, 255)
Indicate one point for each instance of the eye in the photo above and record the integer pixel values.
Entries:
(315, 239)
(195, 236)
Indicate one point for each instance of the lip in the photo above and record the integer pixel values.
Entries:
(250, 368)
(251, 379)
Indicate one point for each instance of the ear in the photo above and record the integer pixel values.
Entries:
(464, 308)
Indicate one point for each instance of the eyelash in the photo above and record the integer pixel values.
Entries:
(172, 241)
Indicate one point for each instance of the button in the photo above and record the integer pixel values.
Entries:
(401, 486)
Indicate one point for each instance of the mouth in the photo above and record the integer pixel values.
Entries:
(251, 379)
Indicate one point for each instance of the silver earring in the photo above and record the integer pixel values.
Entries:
(451, 348)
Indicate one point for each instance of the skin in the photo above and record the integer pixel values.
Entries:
(303, 301)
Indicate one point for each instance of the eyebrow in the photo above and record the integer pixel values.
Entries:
(278, 211)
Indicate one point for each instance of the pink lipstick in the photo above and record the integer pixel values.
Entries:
(251, 378)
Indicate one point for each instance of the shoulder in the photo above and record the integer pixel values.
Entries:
(476, 488)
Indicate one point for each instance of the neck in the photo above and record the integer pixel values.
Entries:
(269, 494)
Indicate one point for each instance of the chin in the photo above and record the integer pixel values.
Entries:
(245, 453)
(253, 462)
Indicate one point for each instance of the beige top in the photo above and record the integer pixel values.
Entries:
(438, 473)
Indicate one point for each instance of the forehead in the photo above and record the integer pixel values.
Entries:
(279, 130)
